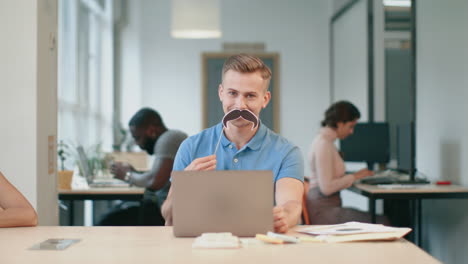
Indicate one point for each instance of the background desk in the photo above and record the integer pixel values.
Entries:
(415, 194)
(157, 245)
(94, 194)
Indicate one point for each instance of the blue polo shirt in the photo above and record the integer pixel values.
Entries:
(265, 151)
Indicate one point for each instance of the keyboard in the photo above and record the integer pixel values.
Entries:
(108, 183)
(391, 177)
(380, 180)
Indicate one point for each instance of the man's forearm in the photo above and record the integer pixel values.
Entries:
(141, 179)
(293, 210)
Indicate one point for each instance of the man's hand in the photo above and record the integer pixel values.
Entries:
(166, 208)
(280, 223)
(203, 164)
(119, 169)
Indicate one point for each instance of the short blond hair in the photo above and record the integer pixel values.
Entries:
(245, 63)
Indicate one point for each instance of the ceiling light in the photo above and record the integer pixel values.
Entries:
(402, 3)
(196, 19)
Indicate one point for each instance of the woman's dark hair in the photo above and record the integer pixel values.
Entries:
(341, 111)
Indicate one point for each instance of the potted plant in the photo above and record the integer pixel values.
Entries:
(64, 177)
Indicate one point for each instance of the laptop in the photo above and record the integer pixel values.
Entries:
(83, 161)
(240, 202)
(91, 179)
(108, 183)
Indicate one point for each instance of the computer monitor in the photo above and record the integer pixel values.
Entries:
(405, 148)
(369, 143)
(406, 153)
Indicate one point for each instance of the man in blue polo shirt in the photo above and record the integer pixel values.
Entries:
(244, 86)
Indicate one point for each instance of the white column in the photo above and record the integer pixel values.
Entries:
(28, 101)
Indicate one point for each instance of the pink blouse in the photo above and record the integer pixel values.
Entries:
(327, 166)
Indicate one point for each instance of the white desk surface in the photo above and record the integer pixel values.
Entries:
(104, 190)
(136, 245)
(417, 188)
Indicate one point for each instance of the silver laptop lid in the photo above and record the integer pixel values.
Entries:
(84, 165)
(240, 202)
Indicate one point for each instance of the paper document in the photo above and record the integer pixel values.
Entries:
(348, 229)
(355, 231)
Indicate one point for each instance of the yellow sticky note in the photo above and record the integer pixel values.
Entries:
(268, 239)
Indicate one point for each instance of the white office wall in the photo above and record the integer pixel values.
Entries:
(350, 58)
(130, 55)
(350, 61)
(28, 101)
(338, 4)
(442, 128)
(18, 94)
(170, 74)
(379, 61)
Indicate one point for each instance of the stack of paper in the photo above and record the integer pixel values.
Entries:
(355, 231)
(216, 240)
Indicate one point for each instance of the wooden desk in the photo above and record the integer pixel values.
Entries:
(416, 193)
(120, 193)
(157, 245)
(94, 194)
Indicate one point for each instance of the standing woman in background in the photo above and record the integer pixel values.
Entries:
(15, 210)
(328, 175)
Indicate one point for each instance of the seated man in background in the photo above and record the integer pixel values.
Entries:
(151, 135)
(245, 81)
(15, 210)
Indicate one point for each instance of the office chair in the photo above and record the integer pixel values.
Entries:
(305, 212)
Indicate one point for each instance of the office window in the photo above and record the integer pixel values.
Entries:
(85, 70)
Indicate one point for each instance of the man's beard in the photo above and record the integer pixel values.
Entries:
(149, 146)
